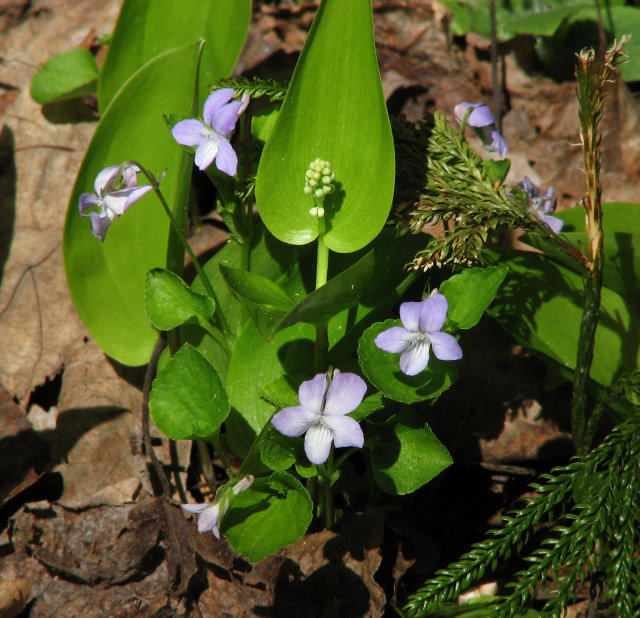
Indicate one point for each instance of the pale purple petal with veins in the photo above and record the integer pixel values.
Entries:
(190, 132)
(227, 160)
(294, 421)
(207, 151)
(100, 223)
(433, 313)
(345, 393)
(118, 201)
(499, 144)
(317, 443)
(555, 223)
(224, 120)
(410, 315)
(311, 392)
(445, 347)
(395, 339)
(481, 116)
(346, 431)
(416, 358)
(87, 200)
(105, 177)
(209, 520)
(214, 102)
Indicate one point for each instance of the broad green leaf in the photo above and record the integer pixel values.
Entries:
(540, 304)
(65, 76)
(169, 302)
(544, 23)
(279, 452)
(107, 280)
(263, 122)
(382, 369)
(187, 400)
(405, 453)
(265, 301)
(621, 227)
(335, 110)
(470, 293)
(271, 514)
(148, 28)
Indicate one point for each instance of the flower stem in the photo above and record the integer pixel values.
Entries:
(203, 276)
(321, 350)
(329, 515)
(217, 444)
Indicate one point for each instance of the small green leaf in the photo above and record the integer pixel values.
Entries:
(169, 302)
(279, 452)
(382, 369)
(187, 400)
(405, 453)
(271, 514)
(470, 293)
(334, 107)
(65, 76)
(338, 294)
(265, 301)
(544, 23)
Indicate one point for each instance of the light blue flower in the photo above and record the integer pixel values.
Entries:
(542, 204)
(210, 514)
(481, 119)
(116, 191)
(324, 403)
(210, 138)
(420, 331)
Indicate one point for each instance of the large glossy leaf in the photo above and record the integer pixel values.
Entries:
(540, 303)
(148, 28)
(335, 110)
(106, 280)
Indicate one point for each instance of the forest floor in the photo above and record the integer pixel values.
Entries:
(81, 532)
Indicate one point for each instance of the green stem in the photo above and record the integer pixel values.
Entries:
(321, 350)
(328, 493)
(217, 444)
(203, 276)
(205, 461)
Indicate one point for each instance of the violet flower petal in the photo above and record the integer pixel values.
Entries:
(317, 443)
(87, 200)
(207, 151)
(410, 315)
(107, 175)
(224, 120)
(293, 421)
(345, 393)
(118, 201)
(555, 223)
(395, 339)
(498, 143)
(445, 347)
(190, 132)
(209, 520)
(100, 223)
(416, 358)
(480, 116)
(311, 392)
(226, 159)
(433, 313)
(214, 102)
(346, 431)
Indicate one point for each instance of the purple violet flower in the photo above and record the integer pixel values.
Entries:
(481, 119)
(420, 330)
(210, 138)
(325, 401)
(542, 204)
(116, 190)
(210, 515)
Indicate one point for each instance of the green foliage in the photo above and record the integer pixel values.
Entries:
(187, 400)
(405, 454)
(601, 532)
(460, 194)
(254, 522)
(334, 104)
(107, 280)
(149, 28)
(65, 76)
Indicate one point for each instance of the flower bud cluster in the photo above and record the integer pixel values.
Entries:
(319, 179)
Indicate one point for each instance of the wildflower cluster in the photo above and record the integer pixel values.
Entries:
(318, 179)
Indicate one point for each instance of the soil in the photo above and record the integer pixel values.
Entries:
(83, 531)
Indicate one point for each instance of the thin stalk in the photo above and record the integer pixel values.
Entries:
(329, 514)
(321, 350)
(495, 84)
(217, 444)
(203, 276)
(205, 461)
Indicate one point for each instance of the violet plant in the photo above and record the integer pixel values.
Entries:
(304, 340)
